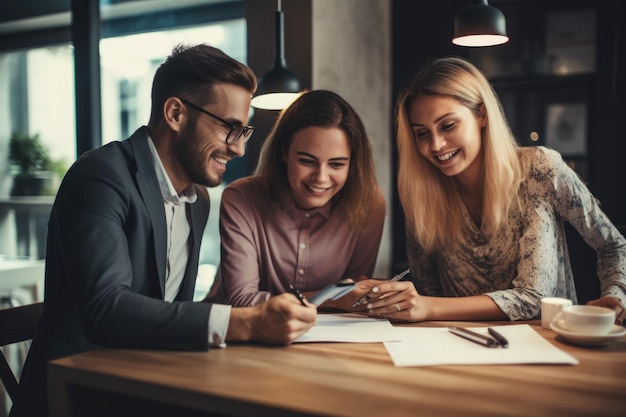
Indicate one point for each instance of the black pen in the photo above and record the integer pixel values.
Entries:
(501, 339)
(298, 294)
(396, 277)
(473, 336)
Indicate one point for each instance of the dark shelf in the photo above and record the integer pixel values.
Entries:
(542, 81)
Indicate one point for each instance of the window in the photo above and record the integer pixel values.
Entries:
(128, 64)
(37, 98)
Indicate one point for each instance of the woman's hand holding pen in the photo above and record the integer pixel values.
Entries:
(396, 300)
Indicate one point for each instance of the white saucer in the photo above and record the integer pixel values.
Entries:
(586, 340)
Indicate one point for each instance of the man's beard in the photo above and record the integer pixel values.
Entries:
(193, 161)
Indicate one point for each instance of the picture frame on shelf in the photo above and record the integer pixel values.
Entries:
(566, 128)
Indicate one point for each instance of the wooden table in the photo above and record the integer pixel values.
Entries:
(334, 379)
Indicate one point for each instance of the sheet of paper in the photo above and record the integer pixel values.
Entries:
(437, 346)
(350, 328)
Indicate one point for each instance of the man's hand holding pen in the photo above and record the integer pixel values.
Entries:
(289, 317)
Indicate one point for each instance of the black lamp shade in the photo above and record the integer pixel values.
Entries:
(479, 25)
(279, 80)
(278, 87)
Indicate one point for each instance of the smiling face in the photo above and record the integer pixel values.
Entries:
(448, 134)
(318, 162)
(201, 149)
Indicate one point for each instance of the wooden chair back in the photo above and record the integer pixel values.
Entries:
(17, 324)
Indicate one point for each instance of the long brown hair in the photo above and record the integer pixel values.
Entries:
(325, 108)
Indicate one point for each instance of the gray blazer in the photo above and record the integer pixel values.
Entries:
(105, 266)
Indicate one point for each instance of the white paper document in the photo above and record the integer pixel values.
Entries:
(350, 328)
(437, 346)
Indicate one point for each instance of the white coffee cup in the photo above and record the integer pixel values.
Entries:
(550, 307)
(586, 320)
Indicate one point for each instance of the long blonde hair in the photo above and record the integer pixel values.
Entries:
(431, 204)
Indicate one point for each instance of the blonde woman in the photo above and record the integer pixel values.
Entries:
(484, 216)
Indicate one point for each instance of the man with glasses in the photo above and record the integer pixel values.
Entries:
(125, 230)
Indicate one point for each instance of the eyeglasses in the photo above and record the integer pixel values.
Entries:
(236, 131)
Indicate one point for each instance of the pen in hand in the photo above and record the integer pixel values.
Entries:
(396, 277)
(298, 294)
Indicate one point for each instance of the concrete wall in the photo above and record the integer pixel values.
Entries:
(352, 56)
(344, 46)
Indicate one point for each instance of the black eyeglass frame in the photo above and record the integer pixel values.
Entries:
(233, 127)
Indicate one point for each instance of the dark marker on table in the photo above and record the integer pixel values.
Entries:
(501, 339)
(473, 336)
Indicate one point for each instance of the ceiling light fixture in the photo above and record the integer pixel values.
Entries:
(479, 24)
(278, 87)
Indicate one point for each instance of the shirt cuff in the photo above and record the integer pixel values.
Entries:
(218, 325)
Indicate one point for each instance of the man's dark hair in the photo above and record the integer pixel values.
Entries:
(190, 73)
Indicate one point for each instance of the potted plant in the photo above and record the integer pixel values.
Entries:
(31, 166)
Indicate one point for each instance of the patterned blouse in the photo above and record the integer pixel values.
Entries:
(528, 259)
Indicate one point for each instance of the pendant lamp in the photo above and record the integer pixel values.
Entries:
(278, 87)
(479, 24)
